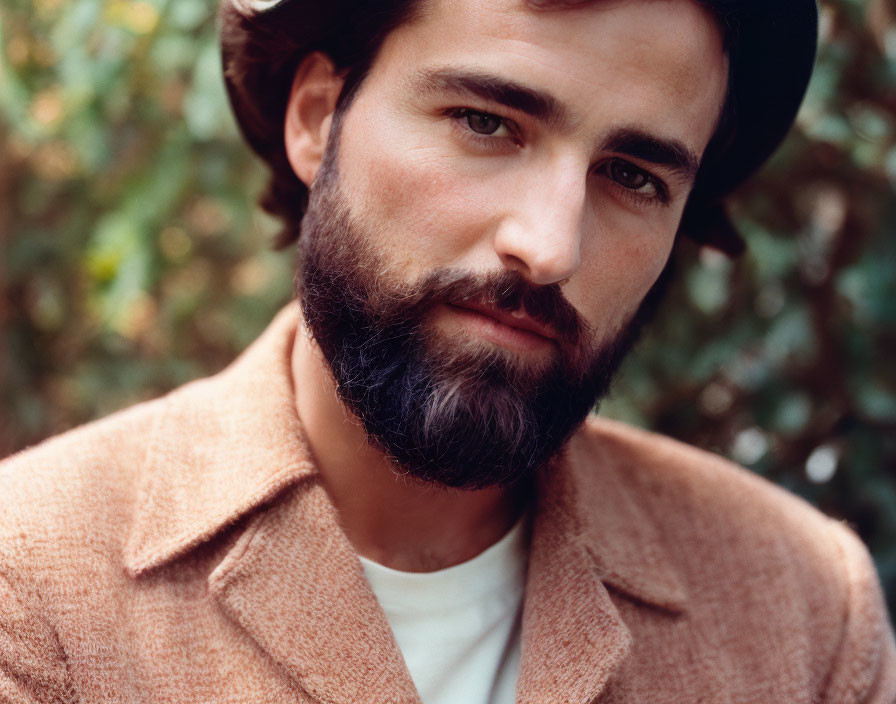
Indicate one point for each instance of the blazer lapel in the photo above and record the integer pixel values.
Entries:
(573, 636)
(590, 538)
(294, 583)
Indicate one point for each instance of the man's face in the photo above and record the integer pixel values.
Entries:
(507, 189)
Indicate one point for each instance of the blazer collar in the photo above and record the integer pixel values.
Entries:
(601, 492)
(589, 535)
(219, 448)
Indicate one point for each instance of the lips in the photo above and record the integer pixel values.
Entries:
(517, 319)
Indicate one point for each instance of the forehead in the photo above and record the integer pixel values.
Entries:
(656, 64)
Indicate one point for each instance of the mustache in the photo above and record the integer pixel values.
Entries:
(508, 291)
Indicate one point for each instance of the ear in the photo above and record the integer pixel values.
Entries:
(309, 112)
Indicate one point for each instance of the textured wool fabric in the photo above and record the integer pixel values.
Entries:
(185, 551)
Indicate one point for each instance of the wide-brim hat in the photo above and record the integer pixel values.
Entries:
(771, 49)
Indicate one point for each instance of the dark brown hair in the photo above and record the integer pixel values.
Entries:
(266, 49)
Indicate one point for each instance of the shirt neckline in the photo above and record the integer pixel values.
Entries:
(498, 569)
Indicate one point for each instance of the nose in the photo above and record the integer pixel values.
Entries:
(540, 233)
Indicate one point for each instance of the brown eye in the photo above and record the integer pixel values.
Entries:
(483, 123)
(627, 175)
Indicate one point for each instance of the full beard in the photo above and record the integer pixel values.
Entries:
(457, 413)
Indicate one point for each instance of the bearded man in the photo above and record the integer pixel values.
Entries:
(396, 494)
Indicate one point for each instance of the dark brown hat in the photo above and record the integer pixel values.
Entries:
(771, 47)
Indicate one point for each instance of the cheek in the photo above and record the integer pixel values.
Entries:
(426, 211)
(615, 276)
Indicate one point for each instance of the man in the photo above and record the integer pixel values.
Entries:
(394, 495)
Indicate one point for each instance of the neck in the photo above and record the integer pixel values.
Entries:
(390, 518)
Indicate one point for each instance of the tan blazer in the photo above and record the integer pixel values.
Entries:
(184, 551)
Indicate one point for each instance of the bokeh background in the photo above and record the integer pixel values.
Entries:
(132, 258)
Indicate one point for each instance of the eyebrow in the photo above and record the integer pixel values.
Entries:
(669, 153)
(538, 104)
(541, 105)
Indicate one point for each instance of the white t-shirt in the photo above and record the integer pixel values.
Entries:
(459, 628)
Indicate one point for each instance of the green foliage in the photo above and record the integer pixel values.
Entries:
(132, 257)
